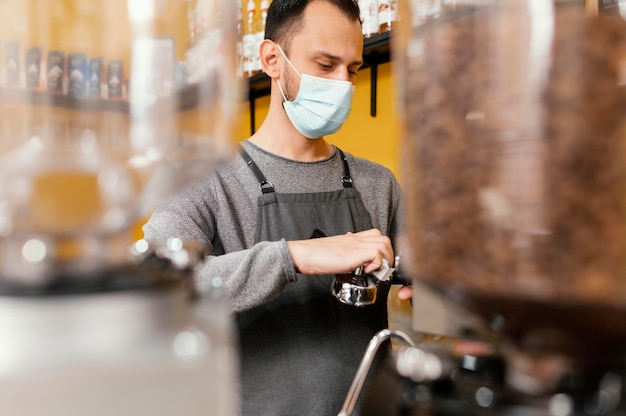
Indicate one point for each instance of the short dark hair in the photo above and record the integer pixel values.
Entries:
(284, 17)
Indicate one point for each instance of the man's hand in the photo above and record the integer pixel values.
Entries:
(341, 253)
(405, 293)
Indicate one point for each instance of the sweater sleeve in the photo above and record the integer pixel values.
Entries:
(252, 276)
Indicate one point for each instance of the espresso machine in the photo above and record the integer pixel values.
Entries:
(106, 109)
(513, 165)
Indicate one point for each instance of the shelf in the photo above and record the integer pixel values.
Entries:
(24, 96)
(376, 51)
(189, 97)
(258, 86)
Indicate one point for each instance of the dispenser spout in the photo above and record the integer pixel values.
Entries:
(366, 363)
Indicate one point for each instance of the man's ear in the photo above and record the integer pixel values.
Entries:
(268, 55)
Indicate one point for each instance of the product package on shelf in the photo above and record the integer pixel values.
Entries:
(96, 78)
(116, 81)
(387, 15)
(55, 72)
(35, 68)
(249, 42)
(239, 39)
(260, 31)
(78, 74)
(369, 17)
(250, 34)
(13, 71)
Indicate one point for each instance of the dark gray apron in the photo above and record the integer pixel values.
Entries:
(300, 352)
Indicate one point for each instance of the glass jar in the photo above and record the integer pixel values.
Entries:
(514, 121)
(96, 128)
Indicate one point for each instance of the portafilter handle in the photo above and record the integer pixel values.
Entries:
(359, 288)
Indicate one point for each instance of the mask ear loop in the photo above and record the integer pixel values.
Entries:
(281, 90)
(288, 61)
(292, 67)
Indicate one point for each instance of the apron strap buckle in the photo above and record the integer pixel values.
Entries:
(266, 187)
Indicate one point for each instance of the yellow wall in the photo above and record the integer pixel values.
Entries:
(374, 138)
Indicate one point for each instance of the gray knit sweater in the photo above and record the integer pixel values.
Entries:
(298, 355)
(221, 212)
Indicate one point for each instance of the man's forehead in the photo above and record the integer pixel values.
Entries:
(327, 29)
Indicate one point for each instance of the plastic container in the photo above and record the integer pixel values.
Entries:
(90, 325)
(514, 120)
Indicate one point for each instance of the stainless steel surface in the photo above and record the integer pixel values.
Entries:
(359, 288)
(151, 346)
(366, 363)
(355, 290)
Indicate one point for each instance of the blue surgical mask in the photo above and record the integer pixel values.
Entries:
(321, 106)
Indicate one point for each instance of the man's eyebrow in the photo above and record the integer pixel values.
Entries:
(332, 57)
(358, 63)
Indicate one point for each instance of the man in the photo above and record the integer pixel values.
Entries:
(292, 212)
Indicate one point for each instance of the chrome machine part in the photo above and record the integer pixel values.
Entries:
(116, 343)
(365, 365)
(355, 289)
(359, 288)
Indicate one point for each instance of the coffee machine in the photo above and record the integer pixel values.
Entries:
(514, 125)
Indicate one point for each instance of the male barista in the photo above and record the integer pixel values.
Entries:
(292, 211)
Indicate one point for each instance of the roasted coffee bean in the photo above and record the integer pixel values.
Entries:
(514, 153)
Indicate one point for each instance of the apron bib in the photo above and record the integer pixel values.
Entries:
(301, 351)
